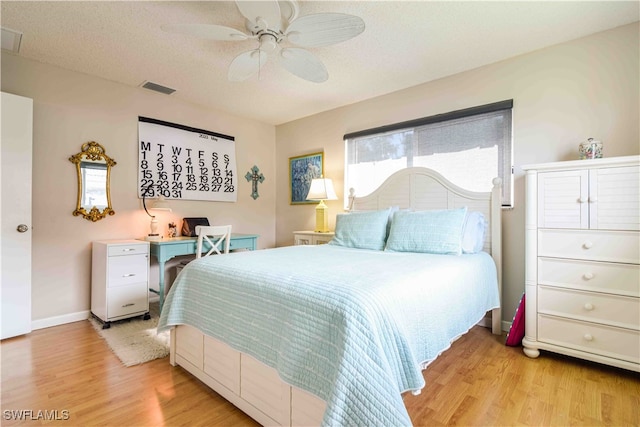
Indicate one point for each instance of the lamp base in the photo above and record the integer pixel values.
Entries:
(153, 238)
(322, 222)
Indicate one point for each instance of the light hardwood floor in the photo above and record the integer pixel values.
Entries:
(478, 381)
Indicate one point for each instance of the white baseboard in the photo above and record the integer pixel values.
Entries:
(60, 320)
(72, 317)
(486, 322)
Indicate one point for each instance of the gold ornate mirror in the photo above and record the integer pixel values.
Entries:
(94, 172)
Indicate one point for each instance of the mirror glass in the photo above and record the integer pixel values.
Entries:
(93, 167)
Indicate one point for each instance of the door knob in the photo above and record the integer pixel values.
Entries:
(22, 228)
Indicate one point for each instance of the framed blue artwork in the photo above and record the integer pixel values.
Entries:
(302, 169)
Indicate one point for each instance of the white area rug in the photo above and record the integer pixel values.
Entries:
(134, 340)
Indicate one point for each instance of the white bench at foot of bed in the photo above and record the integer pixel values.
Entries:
(253, 387)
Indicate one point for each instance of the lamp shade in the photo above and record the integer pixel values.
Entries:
(321, 189)
(160, 204)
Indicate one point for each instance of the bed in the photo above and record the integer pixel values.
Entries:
(335, 334)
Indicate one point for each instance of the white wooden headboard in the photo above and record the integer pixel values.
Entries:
(420, 188)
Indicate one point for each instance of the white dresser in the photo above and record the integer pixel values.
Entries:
(582, 279)
(311, 237)
(119, 280)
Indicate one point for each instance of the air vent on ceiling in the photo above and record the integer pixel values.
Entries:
(11, 40)
(157, 88)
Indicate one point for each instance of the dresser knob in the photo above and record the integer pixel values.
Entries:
(582, 200)
(588, 337)
(588, 306)
(587, 276)
(587, 245)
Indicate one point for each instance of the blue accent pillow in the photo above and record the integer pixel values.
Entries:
(362, 230)
(435, 232)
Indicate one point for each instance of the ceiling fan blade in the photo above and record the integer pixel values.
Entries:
(324, 29)
(303, 64)
(246, 65)
(206, 31)
(263, 14)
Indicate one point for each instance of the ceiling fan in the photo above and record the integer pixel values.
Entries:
(271, 23)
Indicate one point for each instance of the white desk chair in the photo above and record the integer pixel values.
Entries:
(217, 236)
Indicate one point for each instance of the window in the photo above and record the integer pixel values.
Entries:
(470, 147)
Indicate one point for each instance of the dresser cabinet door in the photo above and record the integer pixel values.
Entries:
(563, 199)
(604, 199)
(614, 198)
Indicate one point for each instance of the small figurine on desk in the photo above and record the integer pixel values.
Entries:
(173, 230)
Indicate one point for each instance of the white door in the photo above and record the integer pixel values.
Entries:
(15, 215)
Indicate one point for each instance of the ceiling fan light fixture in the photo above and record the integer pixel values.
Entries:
(268, 43)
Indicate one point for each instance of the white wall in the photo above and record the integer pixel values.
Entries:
(562, 95)
(71, 109)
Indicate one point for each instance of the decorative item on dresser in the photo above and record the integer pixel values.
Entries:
(312, 237)
(119, 280)
(582, 260)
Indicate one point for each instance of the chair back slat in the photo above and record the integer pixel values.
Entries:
(218, 237)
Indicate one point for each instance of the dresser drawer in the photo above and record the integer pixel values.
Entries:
(613, 278)
(125, 270)
(130, 249)
(596, 245)
(590, 306)
(125, 300)
(618, 343)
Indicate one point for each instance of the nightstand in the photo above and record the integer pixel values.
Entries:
(311, 237)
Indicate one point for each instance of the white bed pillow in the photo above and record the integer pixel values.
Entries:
(362, 230)
(473, 232)
(434, 231)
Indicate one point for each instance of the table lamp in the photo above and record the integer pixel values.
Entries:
(321, 189)
(159, 205)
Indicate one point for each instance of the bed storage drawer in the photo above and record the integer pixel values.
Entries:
(222, 363)
(306, 409)
(262, 386)
(607, 309)
(190, 346)
(593, 338)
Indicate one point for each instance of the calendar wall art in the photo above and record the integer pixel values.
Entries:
(185, 163)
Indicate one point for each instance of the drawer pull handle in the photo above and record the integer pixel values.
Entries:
(587, 276)
(588, 337)
(128, 275)
(128, 305)
(128, 249)
(587, 245)
(588, 306)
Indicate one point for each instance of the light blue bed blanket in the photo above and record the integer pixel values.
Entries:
(352, 326)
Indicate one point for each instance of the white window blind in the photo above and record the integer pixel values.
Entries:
(469, 147)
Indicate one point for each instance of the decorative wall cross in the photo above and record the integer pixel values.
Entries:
(255, 176)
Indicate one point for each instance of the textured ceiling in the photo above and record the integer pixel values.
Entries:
(404, 44)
